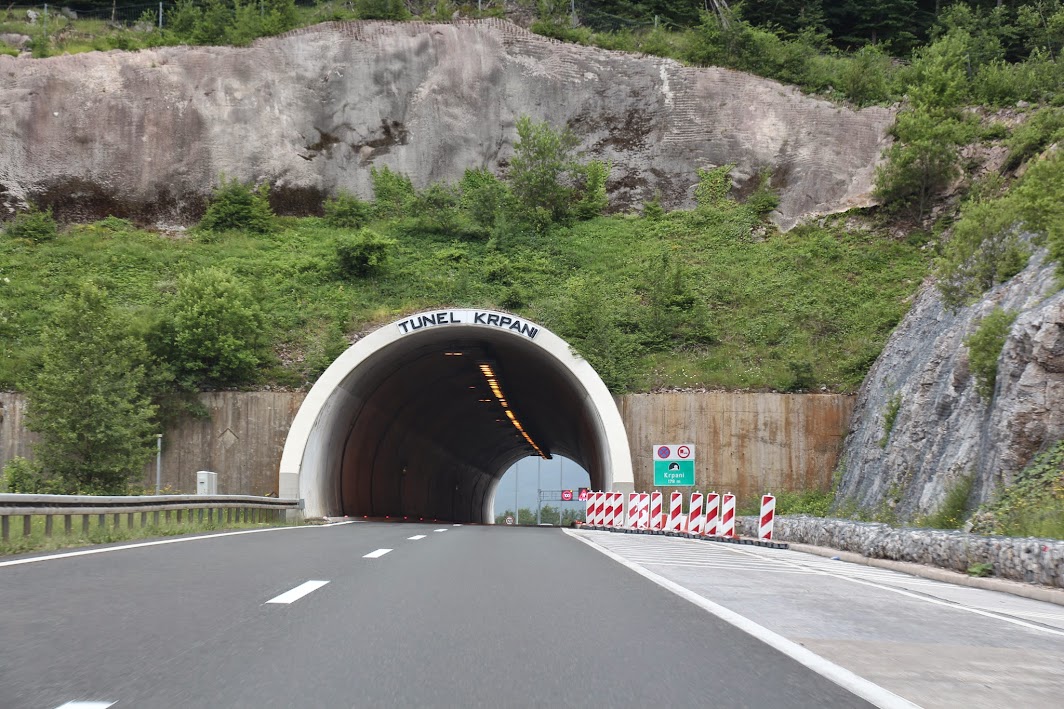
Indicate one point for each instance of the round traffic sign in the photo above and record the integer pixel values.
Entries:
(567, 495)
(683, 451)
(509, 520)
(664, 452)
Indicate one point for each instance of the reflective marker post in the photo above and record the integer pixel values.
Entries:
(158, 462)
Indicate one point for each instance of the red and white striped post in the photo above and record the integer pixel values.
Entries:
(607, 509)
(676, 520)
(618, 509)
(695, 518)
(600, 509)
(712, 514)
(727, 515)
(655, 510)
(589, 509)
(768, 516)
(644, 510)
(633, 509)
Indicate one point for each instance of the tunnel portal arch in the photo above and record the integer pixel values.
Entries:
(422, 417)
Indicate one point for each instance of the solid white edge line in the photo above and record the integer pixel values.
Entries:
(857, 685)
(416, 537)
(86, 705)
(376, 554)
(298, 592)
(159, 542)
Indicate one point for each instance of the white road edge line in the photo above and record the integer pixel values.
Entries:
(86, 705)
(416, 537)
(160, 542)
(298, 592)
(863, 688)
(917, 596)
(376, 554)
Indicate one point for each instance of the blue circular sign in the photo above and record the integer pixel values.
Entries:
(664, 452)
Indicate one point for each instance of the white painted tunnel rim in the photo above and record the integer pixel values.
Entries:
(303, 475)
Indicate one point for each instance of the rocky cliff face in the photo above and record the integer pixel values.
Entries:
(147, 134)
(943, 429)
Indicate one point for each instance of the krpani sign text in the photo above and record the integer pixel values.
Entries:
(468, 317)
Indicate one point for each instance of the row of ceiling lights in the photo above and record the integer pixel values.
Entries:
(496, 390)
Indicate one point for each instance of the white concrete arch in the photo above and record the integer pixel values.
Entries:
(403, 422)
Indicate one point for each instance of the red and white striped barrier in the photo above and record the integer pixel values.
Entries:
(695, 519)
(589, 509)
(600, 508)
(676, 520)
(727, 515)
(768, 515)
(633, 509)
(618, 509)
(607, 509)
(655, 510)
(712, 514)
(644, 511)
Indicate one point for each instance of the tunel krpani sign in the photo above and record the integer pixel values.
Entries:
(468, 317)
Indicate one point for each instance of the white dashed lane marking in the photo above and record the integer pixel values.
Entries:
(376, 554)
(439, 530)
(86, 705)
(298, 592)
(416, 537)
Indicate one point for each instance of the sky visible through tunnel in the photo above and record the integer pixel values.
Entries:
(527, 476)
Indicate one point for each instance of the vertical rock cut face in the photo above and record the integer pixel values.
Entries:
(147, 134)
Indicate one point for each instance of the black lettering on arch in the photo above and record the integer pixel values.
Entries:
(493, 320)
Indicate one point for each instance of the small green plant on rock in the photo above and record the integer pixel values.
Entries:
(890, 415)
(345, 211)
(34, 225)
(981, 570)
(984, 349)
(362, 254)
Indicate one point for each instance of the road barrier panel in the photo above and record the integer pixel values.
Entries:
(695, 518)
(655, 511)
(727, 515)
(589, 509)
(676, 518)
(768, 516)
(600, 509)
(633, 509)
(712, 514)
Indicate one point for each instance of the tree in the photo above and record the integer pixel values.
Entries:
(215, 333)
(88, 401)
(235, 206)
(542, 164)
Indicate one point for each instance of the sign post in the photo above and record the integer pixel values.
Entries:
(674, 465)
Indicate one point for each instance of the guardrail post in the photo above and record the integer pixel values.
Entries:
(144, 519)
(101, 521)
(85, 525)
(179, 516)
(168, 517)
(118, 520)
(129, 521)
(210, 515)
(228, 515)
(27, 525)
(48, 525)
(155, 518)
(200, 515)
(5, 528)
(68, 521)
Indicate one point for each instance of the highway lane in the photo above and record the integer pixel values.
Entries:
(467, 616)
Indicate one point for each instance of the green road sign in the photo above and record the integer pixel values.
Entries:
(674, 472)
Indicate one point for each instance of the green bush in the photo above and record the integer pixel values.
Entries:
(393, 193)
(483, 196)
(984, 250)
(235, 206)
(921, 164)
(542, 165)
(806, 502)
(33, 225)
(23, 476)
(345, 211)
(763, 199)
(864, 77)
(381, 10)
(215, 331)
(1031, 138)
(593, 200)
(984, 349)
(236, 22)
(890, 415)
(362, 254)
(1032, 505)
(713, 186)
(952, 513)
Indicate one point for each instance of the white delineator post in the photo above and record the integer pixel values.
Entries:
(768, 516)
(676, 519)
(589, 509)
(633, 509)
(644, 510)
(727, 515)
(607, 509)
(712, 514)
(600, 509)
(655, 510)
(694, 517)
(618, 509)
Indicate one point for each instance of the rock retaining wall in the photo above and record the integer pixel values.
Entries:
(1039, 561)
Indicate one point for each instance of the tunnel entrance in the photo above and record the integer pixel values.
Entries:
(422, 417)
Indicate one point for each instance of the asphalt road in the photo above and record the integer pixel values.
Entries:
(466, 617)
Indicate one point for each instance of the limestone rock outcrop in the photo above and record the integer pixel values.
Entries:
(147, 134)
(944, 430)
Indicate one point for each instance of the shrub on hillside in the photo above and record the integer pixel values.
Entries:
(593, 199)
(23, 476)
(33, 225)
(984, 349)
(393, 193)
(345, 211)
(542, 170)
(215, 331)
(381, 10)
(483, 195)
(362, 254)
(236, 207)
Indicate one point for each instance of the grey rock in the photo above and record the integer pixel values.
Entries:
(944, 430)
(68, 13)
(32, 16)
(312, 111)
(14, 39)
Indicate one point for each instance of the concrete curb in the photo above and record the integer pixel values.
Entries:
(1038, 593)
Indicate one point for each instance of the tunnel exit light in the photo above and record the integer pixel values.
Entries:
(496, 389)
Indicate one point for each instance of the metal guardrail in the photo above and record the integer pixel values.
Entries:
(247, 508)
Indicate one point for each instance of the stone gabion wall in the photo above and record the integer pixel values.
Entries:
(1039, 561)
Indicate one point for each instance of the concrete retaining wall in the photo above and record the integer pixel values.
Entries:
(746, 443)
(1039, 561)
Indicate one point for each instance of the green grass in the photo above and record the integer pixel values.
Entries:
(108, 533)
(750, 310)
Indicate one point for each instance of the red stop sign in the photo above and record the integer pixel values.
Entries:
(567, 495)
